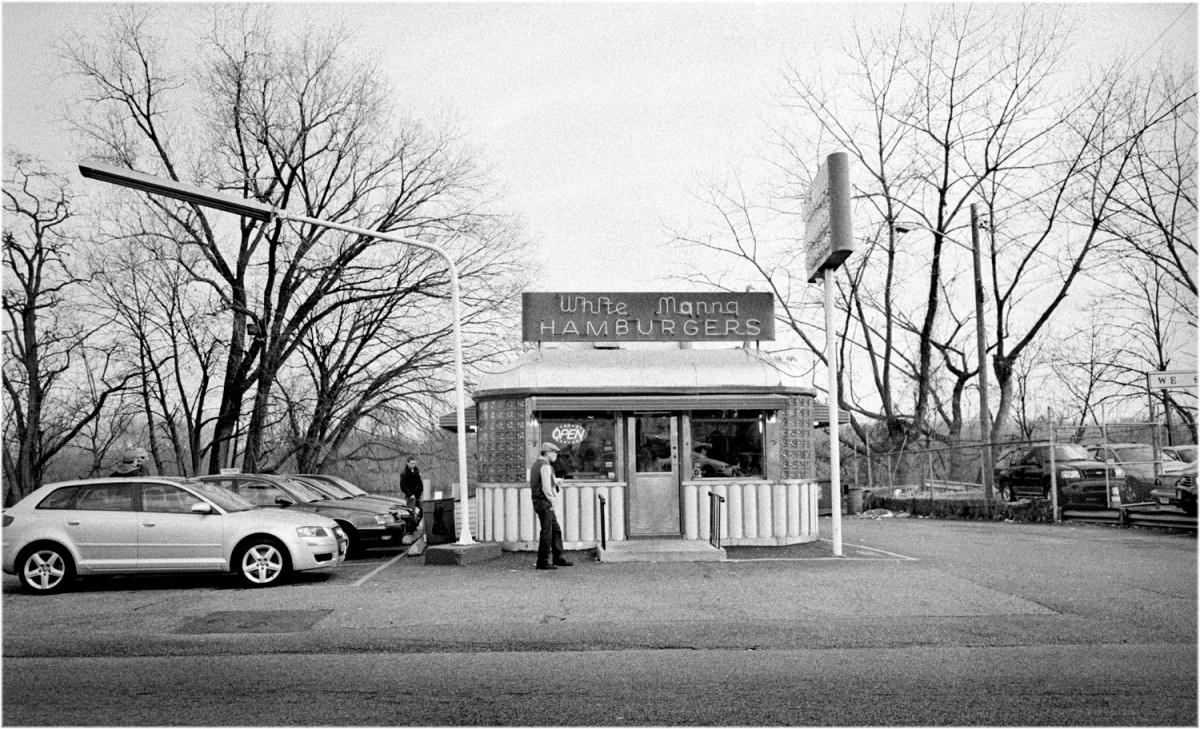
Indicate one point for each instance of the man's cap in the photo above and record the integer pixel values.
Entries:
(548, 446)
(133, 456)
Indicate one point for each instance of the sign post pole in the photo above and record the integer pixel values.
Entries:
(835, 451)
(829, 240)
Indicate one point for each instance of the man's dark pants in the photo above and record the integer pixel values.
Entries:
(549, 533)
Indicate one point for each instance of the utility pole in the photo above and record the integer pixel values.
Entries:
(985, 418)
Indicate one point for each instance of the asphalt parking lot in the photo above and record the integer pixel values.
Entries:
(928, 621)
(891, 568)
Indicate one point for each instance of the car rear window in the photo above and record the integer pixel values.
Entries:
(59, 498)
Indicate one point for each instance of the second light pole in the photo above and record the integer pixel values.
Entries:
(985, 418)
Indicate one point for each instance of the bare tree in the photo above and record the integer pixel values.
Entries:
(960, 105)
(49, 342)
(300, 124)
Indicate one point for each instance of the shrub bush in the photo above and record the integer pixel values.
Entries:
(1023, 511)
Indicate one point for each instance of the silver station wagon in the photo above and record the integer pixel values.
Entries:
(127, 525)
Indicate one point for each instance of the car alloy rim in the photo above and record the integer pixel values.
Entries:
(45, 569)
(262, 563)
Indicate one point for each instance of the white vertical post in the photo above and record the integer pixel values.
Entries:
(1054, 471)
(464, 532)
(835, 456)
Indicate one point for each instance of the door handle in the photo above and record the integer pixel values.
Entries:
(149, 523)
(72, 523)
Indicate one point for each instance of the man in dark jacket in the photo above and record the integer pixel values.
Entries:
(411, 483)
(545, 490)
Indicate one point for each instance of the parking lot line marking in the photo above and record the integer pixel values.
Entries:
(380, 568)
(903, 557)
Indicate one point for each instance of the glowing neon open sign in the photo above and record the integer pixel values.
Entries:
(569, 434)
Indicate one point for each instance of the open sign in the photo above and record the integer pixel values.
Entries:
(569, 433)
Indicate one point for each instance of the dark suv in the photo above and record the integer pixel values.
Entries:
(366, 525)
(1082, 480)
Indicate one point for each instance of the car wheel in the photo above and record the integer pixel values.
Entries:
(262, 562)
(354, 548)
(1006, 492)
(45, 569)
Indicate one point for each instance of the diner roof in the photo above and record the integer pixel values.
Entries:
(449, 421)
(636, 371)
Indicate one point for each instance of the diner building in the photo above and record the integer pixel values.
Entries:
(652, 438)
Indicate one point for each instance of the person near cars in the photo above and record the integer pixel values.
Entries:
(411, 482)
(133, 463)
(545, 491)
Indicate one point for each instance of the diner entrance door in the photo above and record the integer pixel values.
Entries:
(653, 501)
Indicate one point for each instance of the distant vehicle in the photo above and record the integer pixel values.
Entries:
(111, 526)
(1082, 480)
(339, 488)
(1184, 453)
(1182, 494)
(1138, 459)
(366, 525)
(1143, 470)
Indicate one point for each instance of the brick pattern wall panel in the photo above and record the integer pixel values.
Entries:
(500, 440)
(796, 439)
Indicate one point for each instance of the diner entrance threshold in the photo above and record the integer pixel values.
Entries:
(660, 550)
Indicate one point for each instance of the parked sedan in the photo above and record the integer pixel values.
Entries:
(123, 525)
(366, 525)
(1025, 472)
(1182, 494)
(339, 488)
(1181, 453)
(1144, 469)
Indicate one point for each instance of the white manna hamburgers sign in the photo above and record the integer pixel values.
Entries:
(647, 317)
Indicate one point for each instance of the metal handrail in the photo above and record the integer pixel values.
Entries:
(714, 518)
(603, 527)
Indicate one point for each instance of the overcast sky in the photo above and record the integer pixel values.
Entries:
(598, 120)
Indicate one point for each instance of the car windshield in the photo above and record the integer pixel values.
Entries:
(1135, 454)
(346, 486)
(329, 490)
(303, 491)
(1071, 453)
(227, 500)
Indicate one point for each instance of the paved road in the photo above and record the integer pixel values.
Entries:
(924, 622)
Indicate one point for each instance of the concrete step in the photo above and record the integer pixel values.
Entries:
(660, 550)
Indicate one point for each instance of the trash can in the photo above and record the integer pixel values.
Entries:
(439, 521)
(854, 502)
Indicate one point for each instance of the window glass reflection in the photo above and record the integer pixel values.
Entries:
(727, 443)
(652, 438)
(587, 445)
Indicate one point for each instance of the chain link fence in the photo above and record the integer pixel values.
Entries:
(1092, 467)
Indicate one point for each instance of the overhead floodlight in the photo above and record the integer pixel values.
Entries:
(178, 190)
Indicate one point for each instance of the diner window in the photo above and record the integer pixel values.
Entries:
(587, 445)
(727, 443)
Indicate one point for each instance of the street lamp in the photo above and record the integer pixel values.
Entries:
(267, 213)
(985, 421)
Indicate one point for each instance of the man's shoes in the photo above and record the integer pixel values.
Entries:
(563, 563)
(546, 567)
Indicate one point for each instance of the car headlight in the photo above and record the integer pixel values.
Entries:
(311, 531)
(1118, 472)
(1069, 473)
(383, 518)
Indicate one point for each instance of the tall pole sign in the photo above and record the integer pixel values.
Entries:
(828, 229)
(829, 240)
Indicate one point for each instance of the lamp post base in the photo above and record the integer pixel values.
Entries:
(462, 554)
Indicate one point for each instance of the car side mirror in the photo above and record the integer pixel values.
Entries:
(202, 508)
(281, 501)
